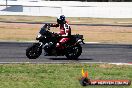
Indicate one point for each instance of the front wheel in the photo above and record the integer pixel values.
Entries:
(73, 52)
(33, 51)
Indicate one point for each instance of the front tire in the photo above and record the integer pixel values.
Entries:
(33, 51)
(73, 52)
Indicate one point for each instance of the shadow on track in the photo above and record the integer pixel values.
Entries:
(69, 59)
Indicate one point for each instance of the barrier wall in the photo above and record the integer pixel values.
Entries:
(68, 8)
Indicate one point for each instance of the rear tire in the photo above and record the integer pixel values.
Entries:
(33, 51)
(73, 52)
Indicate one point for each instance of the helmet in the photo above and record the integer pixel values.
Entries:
(61, 19)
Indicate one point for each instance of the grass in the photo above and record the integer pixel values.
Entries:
(59, 75)
(75, 20)
(103, 34)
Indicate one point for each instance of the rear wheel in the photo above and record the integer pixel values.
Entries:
(33, 51)
(73, 52)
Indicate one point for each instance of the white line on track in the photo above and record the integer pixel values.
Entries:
(121, 63)
(71, 62)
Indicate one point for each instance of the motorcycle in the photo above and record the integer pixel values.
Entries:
(47, 42)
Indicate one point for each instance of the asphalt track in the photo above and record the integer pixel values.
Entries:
(14, 52)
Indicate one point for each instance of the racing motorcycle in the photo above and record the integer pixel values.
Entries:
(47, 42)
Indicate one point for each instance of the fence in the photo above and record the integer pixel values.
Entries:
(68, 8)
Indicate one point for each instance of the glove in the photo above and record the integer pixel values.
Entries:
(47, 25)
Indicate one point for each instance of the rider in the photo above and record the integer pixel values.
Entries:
(65, 30)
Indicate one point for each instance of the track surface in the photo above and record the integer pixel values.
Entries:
(115, 53)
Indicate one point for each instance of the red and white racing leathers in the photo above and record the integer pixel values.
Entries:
(65, 31)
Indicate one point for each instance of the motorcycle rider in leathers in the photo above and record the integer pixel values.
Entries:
(65, 31)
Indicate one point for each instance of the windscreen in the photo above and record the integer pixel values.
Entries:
(42, 31)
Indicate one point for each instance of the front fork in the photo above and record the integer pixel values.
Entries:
(40, 44)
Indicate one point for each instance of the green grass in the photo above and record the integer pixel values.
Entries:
(59, 75)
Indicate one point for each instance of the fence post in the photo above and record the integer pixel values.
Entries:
(6, 3)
